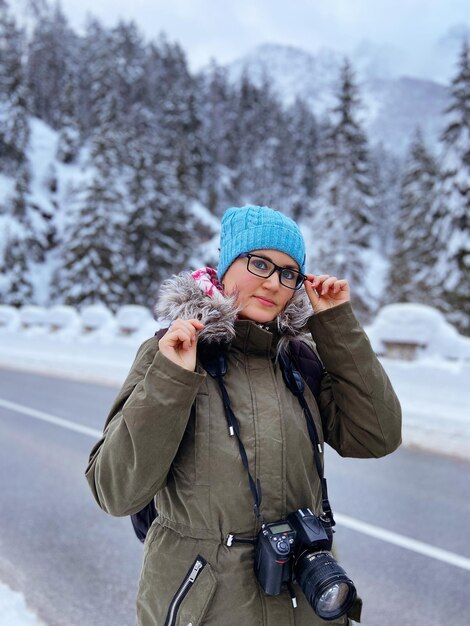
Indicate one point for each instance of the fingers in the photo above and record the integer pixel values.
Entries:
(183, 333)
(326, 291)
(325, 284)
(309, 285)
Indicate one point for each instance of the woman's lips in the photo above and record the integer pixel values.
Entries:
(265, 301)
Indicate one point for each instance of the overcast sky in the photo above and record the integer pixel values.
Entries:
(420, 35)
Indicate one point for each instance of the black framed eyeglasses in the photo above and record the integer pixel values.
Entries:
(264, 268)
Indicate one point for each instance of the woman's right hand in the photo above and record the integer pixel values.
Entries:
(179, 343)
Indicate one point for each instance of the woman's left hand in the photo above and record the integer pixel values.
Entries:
(325, 292)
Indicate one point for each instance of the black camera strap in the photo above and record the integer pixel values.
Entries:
(234, 429)
(295, 383)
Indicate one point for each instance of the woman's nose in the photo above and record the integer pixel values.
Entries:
(273, 281)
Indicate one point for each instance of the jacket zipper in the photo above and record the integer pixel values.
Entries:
(195, 570)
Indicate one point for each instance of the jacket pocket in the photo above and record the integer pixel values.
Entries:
(190, 603)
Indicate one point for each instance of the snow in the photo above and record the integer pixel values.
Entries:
(131, 318)
(33, 316)
(13, 609)
(434, 389)
(420, 324)
(376, 266)
(9, 317)
(435, 399)
(97, 317)
(63, 318)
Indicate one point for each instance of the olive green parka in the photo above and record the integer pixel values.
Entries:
(166, 437)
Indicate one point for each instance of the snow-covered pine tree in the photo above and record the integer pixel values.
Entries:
(98, 78)
(49, 55)
(159, 234)
(215, 99)
(295, 161)
(93, 261)
(451, 211)
(16, 287)
(178, 121)
(255, 141)
(14, 125)
(414, 250)
(15, 284)
(166, 168)
(129, 54)
(25, 229)
(27, 235)
(69, 141)
(386, 176)
(95, 265)
(342, 221)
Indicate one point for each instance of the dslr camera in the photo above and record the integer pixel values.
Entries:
(298, 549)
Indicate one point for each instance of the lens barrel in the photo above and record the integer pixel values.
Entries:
(325, 584)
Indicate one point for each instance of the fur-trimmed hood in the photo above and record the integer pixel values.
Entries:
(182, 297)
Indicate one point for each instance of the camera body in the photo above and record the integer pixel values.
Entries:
(298, 549)
(278, 544)
(273, 556)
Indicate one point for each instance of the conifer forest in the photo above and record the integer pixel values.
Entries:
(148, 155)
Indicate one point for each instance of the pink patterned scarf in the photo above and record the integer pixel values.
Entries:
(207, 279)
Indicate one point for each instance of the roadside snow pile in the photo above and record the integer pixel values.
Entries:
(420, 327)
(62, 318)
(97, 317)
(95, 321)
(9, 318)
(13, 609)
(131, 319)
(34, 317)
(93, 345)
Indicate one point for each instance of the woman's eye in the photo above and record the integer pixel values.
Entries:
(288, 274)
(260, 264)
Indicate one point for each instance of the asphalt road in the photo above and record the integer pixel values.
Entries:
(80, 567)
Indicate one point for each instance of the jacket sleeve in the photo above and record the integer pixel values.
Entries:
(360, 411)
(142, 432)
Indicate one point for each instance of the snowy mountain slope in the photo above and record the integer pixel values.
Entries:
(392, 106)
(51, 190)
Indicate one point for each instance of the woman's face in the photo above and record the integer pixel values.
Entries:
(260, 299)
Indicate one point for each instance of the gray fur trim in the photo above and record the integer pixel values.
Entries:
(292, 321)
(181, 297)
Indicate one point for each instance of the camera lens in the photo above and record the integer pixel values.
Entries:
(333, 597)
(325, 584)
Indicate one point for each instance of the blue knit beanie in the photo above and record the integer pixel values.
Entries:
(255, 228)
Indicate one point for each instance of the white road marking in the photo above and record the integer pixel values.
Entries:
(349, 522)
(403, 542)
(52, 419)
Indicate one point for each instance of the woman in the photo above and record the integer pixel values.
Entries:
(166, 435)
